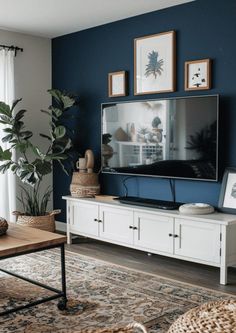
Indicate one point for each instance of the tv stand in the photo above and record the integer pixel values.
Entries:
(205, 239)
(153, 203)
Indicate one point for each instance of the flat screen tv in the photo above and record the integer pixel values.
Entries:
(168, 138)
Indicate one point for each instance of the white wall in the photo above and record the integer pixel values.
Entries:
(32, 79)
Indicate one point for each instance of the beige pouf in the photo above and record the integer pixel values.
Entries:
(212, 317)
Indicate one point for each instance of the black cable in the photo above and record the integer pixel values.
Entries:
(123, 183)
(172, 188)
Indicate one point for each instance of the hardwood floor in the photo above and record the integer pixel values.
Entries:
(202, 275)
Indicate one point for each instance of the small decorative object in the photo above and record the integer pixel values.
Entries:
(227, 200)
(133, 135)
(196, 209)
(156, 130)
(107, 150)
(81, 165)
(143, 134)
(117, 84)
(3, 226)
(121, 135)
(32, 163)
(154, 63)
(198, 74)
(85, 182)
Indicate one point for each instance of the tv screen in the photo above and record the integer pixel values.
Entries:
(168, 138)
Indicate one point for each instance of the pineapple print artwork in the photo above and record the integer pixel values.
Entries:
(155, 65)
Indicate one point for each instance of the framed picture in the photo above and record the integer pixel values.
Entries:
(227, 200)
(117, 85)
(198, 74)
(154, 63)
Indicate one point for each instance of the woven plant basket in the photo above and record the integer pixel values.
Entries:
(212, 317)
(45, 222)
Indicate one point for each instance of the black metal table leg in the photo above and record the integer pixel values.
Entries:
(58, 293)
(62, 303)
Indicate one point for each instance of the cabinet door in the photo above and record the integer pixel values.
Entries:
(197, 240)
(154, 232)
(84, 218)
(116, 225)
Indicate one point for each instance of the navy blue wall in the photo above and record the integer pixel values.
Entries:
(82, 60)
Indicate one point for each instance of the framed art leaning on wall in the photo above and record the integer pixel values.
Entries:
(227, 200)
(154, 63)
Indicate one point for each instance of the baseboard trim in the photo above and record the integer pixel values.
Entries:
(60, 226)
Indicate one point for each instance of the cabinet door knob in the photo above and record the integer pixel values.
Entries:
(176, 236)
(135, 228)
(99, 221)
(95, 220)
(131, 227)
(170, 235)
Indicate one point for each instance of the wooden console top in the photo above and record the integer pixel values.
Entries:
(20, 239)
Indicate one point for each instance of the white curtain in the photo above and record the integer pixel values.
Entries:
(7, 180)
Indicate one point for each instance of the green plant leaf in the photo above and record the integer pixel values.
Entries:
(5, 109)
(4, 167)
(56, 94)
(5, 119)
(22, 146)
(26, 135)
(63, 168)
(7, 130)
(14, 167)
(45, 136)
(37, 152)
(5, 155)
(7, 138)
(15, 103)
(43, 167)
(59, 132)
(56, 111)
(56, 156)
(67, 101)
(19, 115)
(46, 112)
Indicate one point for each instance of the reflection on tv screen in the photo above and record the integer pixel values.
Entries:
(167, 138)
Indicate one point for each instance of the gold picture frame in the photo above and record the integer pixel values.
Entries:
(197, 75)
(117, 84)
(155, 63)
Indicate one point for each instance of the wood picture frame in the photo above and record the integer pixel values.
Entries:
(227, 199)
(197, 74)
(117, 84)
(155, 63)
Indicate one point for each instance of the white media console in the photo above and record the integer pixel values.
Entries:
(206, 239)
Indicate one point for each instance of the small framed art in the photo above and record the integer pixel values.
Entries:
(227, 200)
(154, 63)
(198, 74)
(117, 85)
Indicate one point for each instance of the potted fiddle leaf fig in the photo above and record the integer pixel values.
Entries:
(29, 162)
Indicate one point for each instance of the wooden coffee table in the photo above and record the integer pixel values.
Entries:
(21, 240)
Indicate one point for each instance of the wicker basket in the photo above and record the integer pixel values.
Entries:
(45, 222)
(212, 317)
(84, 185)
(3, 226)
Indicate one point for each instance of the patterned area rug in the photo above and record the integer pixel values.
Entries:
(110, 295)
